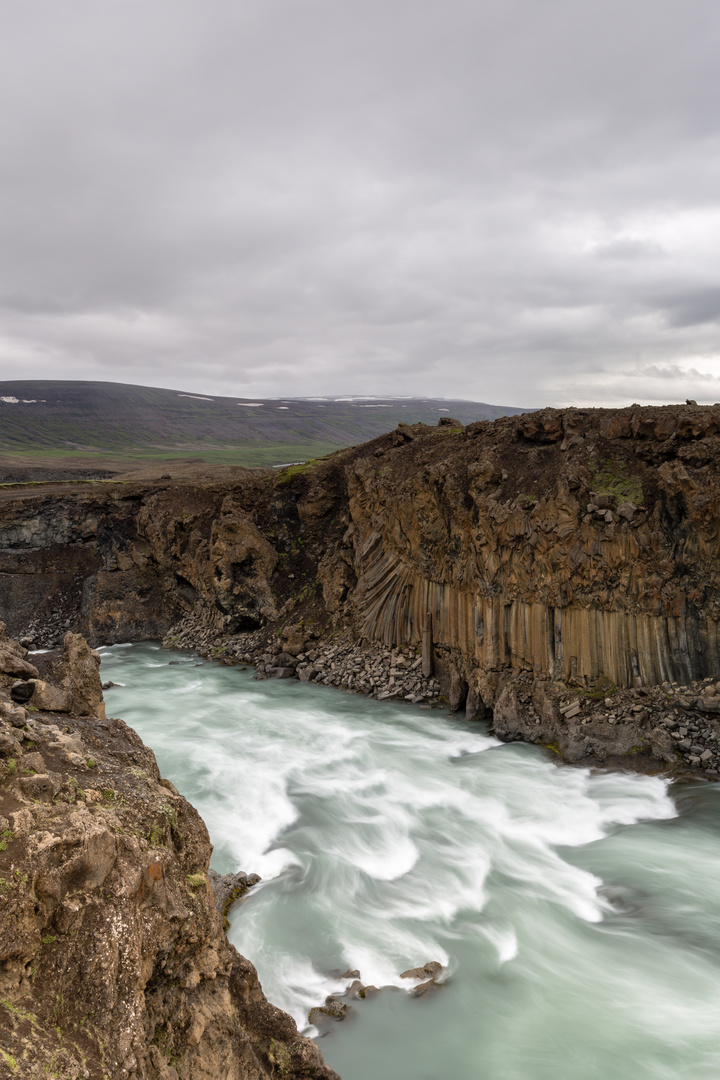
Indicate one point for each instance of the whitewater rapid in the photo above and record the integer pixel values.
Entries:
(576, 913)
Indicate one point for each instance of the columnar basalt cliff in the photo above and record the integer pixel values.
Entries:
(114, 964)
(573, 546)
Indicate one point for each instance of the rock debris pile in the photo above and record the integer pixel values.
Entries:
(365, 668)
(648, 728)
(689, 714)
(695, 724)
(374, 670)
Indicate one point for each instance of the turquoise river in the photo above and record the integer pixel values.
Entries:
(576, 913)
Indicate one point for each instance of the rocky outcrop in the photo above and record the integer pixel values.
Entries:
(125, 559)
(227, 888)
(12, 658)
(114, 963)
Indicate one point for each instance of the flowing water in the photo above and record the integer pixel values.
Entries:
(577, 913)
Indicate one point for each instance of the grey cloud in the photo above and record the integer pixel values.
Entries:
(675, 372)
(629, 247)
(510, 200)
(692, 307)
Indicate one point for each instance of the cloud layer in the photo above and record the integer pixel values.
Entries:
(508, 201)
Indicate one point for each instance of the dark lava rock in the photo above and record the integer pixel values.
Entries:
(22, 692)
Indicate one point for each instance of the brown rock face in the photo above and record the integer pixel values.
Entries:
(79, 671)
(113, 960)
(510, 535)
(12, 663)
(574, 544)
(243, 562)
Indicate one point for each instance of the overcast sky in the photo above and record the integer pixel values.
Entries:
(516, 201)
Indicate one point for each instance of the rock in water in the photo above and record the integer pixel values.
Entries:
(228, 888)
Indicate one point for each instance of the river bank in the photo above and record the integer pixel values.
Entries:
(673, 729)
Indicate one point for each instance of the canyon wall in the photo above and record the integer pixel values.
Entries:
(573, 544)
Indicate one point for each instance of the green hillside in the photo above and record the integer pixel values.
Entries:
(40, 419)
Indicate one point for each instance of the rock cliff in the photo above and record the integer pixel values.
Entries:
(574, 546)
(114, 962)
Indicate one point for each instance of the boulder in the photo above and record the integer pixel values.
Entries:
(14, 665)
(458, 691)
(34, 761)
(285, 659)
(79, 670)
(21, 692)
(430, 970)
(14, 714)
(332, 1010)
(293, 641)
(50, 698)
(475, 708)
(280, 672)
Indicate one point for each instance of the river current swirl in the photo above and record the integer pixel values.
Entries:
(576, 913)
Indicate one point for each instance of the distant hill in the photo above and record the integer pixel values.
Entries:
(42, 419)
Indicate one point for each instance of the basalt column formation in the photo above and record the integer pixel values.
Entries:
(574, 545)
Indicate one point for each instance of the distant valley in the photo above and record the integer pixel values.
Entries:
(74, 422)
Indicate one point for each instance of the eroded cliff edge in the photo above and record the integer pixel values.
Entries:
(113, 960)
(568, 548)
